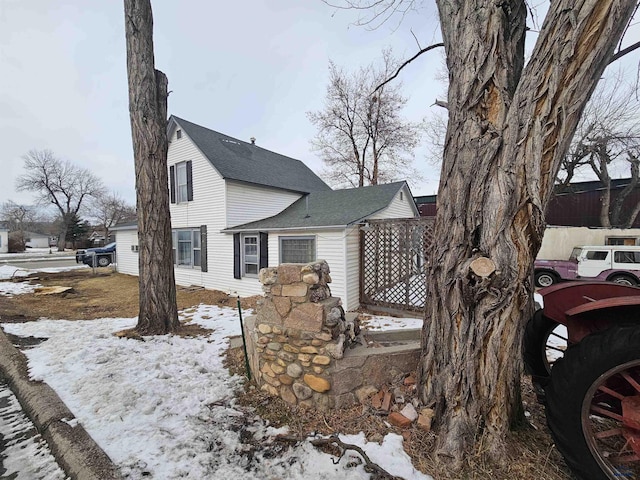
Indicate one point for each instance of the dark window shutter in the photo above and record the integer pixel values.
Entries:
(264, 250)
(237, 273)
(172, 181)
(189, 182)
(204, 267)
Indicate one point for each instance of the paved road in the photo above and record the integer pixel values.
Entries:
(23, 452)
(35, 263)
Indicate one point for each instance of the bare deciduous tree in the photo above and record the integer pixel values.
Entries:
(19, 219)
(63, 184)
(109, 209)
(148, 113)
(362, 138)
(607, 143)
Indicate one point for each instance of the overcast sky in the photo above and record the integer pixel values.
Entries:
(249, 68)
(243, 68)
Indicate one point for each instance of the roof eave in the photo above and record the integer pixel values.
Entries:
(272, 229)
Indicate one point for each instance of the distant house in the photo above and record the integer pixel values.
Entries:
(4, 237)
(237, 207)
(38, 240)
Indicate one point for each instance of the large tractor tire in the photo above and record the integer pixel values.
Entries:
(538, 354)
(584, 403)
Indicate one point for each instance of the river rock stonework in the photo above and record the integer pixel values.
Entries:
(297, 334)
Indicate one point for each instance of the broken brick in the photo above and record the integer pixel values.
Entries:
(398, 420)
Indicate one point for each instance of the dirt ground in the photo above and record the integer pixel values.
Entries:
(529, 453)
(106, 294)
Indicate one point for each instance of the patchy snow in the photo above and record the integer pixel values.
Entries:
(383, 322)
(24, 453)
(9, 271)
(9, 289)
(165, 406)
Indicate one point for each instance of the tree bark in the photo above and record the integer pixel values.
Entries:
(148, 113)
(508, 131)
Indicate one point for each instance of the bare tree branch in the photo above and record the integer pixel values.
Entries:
(624, 52)
(424, 50)
(370, 467)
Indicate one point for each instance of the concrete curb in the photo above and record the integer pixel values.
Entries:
(76, 452)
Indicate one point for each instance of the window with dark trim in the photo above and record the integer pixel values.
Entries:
(250, 253)
(187, 247)
(181, 182)
(297, 249)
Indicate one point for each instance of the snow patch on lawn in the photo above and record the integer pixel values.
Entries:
(9, 289)
(165, 406)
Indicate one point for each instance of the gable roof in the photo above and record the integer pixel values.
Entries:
(246, 162)
(329, 208)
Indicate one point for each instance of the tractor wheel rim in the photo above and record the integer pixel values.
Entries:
(602, 421)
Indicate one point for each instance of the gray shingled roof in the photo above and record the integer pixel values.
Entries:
(329, 208)
(245, 162)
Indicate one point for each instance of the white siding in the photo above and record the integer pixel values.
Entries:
(398, 208)
(126, 259)
(330, 246)
(352, 268)
(208, 204)
(248, 203)
(558, 242)
(219, 204)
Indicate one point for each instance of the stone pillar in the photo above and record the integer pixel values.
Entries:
(298, 333)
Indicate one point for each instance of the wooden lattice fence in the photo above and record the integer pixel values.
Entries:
(392, 256)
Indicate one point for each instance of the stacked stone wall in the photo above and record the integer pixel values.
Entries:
(298, 333)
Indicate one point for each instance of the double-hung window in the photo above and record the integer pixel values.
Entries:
(250, 258)
(181, 182)
(186, 247)
(181, 173)
(297, 249)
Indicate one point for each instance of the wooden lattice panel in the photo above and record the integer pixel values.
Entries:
(393, 254)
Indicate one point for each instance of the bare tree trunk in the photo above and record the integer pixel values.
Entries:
(148, 112)
(508, 132)
(617, 207)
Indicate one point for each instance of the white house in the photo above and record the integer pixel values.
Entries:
(4, 237)
(236, 208)
(37, 240)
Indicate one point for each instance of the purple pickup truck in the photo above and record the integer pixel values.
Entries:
(614, 263)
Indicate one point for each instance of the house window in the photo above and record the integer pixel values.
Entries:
(181, 170)
(181, 182)
(630, 241)
(297, 249)
(250, 255)
(178, 134)
(186, 247)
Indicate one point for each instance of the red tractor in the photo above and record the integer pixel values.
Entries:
(583, 352)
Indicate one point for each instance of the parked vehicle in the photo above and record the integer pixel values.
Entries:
(591, 387)
(614, 263)
(97, 257)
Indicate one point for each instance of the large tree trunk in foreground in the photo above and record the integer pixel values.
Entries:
(148, 112)
(508, 131)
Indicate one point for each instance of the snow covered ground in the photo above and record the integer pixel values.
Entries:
(165, 407)
(9, 271)
(24, 455)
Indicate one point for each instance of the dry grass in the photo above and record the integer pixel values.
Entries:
(529, 454)
(106, 294)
